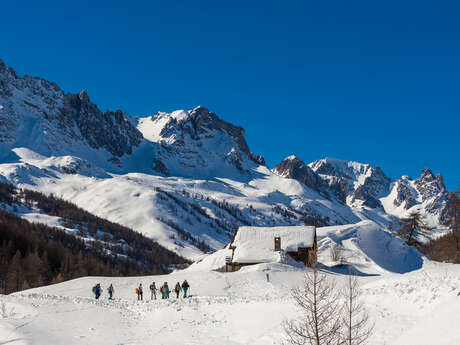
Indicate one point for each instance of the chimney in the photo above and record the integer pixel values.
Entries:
(277, 244)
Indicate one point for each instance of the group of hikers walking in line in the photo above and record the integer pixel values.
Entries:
(164, 290)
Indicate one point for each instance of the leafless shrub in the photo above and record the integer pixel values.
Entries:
(4, 313)
(337, 253)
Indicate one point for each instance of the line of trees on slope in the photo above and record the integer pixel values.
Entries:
(32, 255)
(107, 235)
(138, 245)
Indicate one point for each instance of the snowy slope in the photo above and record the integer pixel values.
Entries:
(209, 210)
(245, 307)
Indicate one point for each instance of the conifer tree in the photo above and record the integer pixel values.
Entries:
(414, 223)
(14, 274)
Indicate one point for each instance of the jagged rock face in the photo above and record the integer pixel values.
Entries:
(405, 193)
(200, 123)
(293, 167)
(428, 185)
(346, 182)
(52, 121)
(372, 188)
(197, 142)
(350, 182)
(109, 130)
(427, 192)
(433, 193)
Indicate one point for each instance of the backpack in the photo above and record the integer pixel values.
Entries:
(94, 289)
(151, 287)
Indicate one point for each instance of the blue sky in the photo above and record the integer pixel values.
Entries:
(370, 81)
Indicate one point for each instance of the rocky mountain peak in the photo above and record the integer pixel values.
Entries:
(204, 121)
(288, 164)
(428, 178)
(83, 95)
(427, 191)
(292, 158)
(428, 185)
(427, 175)
(295, 168)
(201, 125)
(59, 121)
(350, 182)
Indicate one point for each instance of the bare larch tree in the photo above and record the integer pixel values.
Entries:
(356, 325)
(320, 309)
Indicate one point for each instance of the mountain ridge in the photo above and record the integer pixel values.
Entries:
(186, 177)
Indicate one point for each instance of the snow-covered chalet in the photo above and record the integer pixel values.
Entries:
(254, 245)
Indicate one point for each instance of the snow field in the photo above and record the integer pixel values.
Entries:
(245, 307)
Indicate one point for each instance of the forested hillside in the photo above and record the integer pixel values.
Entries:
(34, 254)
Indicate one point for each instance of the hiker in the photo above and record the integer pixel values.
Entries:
(111, 290)
(177, 289)
(165, 291)
(185, 287)
(153, 290)
(139, 293)
(97, 290)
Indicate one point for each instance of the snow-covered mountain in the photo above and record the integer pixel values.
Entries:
(364, 186)
(198, 143)
(187, 179)
(37, 114)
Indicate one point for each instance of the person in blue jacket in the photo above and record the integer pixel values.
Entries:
(185, 287)
(97, 290)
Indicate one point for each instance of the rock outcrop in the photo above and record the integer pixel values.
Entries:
(109, 130)
(293, 167)
(352, 182)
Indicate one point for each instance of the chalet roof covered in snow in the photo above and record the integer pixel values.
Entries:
(256, 244)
